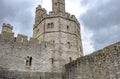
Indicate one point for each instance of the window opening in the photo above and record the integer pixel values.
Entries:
(67, 27)
(50, 25)
(68, 44)
(28, 61)
(52, 60)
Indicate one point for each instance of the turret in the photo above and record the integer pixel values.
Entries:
(58, 6)
(40, 13)
(7, 35)
(7, 27)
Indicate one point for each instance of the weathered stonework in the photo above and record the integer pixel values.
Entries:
(56, 41)
(61, 29)
(102, 64)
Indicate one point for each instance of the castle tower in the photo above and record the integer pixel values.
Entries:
(60, 29)
(58, 5)
(7, 27)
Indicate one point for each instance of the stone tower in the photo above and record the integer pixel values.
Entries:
(60, 29)
(58, 5)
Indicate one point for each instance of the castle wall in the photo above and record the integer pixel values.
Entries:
(14, 52)
(102, 64)
(8, 74)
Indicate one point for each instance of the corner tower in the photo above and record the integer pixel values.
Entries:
(60, 29)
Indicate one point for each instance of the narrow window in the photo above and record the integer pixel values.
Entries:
(52, 60)
(53, 42)
(30, 63)
(27, 60)
(68, 43)
(67, 27)
(50, 25)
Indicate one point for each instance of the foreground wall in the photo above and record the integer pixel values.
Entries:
(8, 74)
(16, 51)
(103, 64)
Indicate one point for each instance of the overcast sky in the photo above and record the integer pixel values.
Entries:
(100, 19)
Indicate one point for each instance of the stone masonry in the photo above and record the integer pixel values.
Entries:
(55, 50)
(62, 30)
(56, 41)
(102, 64)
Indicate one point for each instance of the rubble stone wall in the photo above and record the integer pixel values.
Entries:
(102, 64)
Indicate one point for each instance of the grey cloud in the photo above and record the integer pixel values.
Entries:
(19, 14)
(104, 22)
(85, 2)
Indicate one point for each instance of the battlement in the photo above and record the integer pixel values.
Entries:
(8, 36)
(52, 14)
(40, 8)
(7, 27)
(64, 15)
(96, 56)
(102, 64)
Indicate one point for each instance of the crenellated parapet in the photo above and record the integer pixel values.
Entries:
(7, 36)
(43, 16)
(102, 64)
(7, 27)
(100, 55)
(63, 15)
